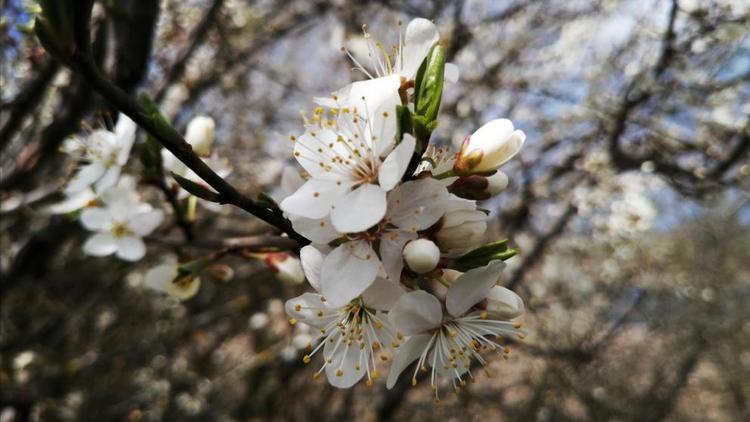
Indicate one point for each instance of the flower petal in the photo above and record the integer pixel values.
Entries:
(504, 303)
(130, 248)
(450, 74)
(348, 271)
(96, 219)
(360, 209)
(421, 35)
(125, 134)
(73, 202)
(85, 177)
(394, 166)
(343, 372)
(382, 294)
(407, 353)
(100, 244)
(310, 309)
(319, 231)
(391, 247)
(108, 179)
(417, 205)
(314, 150)
(146, 222)
(472, 287)
(161, 276)
(314, 199)
(416, 312)
(312, 263)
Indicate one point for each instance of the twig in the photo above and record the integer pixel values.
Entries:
(175, 143)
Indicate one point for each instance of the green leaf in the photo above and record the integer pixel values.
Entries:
(403, 122)
(197, 189)
(484, 254)
(429, 88)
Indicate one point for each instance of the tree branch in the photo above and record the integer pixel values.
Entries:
(175, 143)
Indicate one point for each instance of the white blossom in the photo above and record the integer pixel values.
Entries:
(120, 223)
(352, 162)
(352, 334)
(353, 266)
(106, 153)
(449, 342)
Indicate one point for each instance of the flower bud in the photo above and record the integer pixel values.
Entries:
(221, 272)
(200, 135)
(286, 267)
(504, 303)
(167, 278)
(472, 186)
(497, 183)
(421, 255)
(461, 228)
(489, 147)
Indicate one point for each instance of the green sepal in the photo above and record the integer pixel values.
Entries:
(193, 267)
(403, 122)
(482, 255)
(428, 89)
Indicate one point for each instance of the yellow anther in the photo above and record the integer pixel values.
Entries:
(306, 359)
(339, 373)
(292, 321)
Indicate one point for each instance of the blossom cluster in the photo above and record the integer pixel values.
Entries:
(397, 263)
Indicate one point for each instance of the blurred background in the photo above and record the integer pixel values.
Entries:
(630, 203)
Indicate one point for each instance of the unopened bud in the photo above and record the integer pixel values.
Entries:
(489, 147)
(167, 278)
(497, 183)
(504, 303)
(421, 255)
(472, 187)
(286, 267)
(221, 272)
(200, 135)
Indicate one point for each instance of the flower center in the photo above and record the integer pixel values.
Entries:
(119, 230)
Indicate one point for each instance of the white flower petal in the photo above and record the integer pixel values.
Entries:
(410, 351)
(108, 179)
(312, 264)
(130, 248)
(161, 276)
(450, 74)
(145, 223)
(306, 308)
(314, 150)
(96, 219)
(348, 271)
(319, 231)
(125, 134)
(420, 36)
(342, 372)
(380, 95)
(472, 287)
(504, 303)
(382, 294)
(74, 202)
(391, 247)
(394, 166)
(417, 204)
(100, 244)
(85, 177)
(200, 134)
(416, 312)
(314, 199)
(360, 209)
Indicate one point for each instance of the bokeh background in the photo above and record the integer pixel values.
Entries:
(630, 203)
